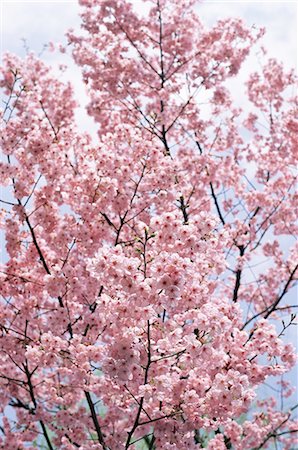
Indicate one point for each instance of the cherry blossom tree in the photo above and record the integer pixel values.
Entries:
(131, 313)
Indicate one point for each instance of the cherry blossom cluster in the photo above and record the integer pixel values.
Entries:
(132, 315)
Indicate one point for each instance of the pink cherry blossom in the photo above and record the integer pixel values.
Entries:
(134, 309)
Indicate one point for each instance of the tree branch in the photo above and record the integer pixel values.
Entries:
(31, 391)
(273, 307)
(136, 422)
(238, 275)
(95, 420)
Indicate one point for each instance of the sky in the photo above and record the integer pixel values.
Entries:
(33, 23)
(41, 20)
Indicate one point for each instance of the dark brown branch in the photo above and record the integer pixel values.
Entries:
(143, 438)
(68, 253)
(162, 74)
(33, 189)
(274, 434)
(163, 139)
(45, 433)
(137, 401)
(286, 326)
(7, 203)
(17, 403)
(49, 120)
(163, 79)
(136, 422)
(108, 220)
(269, 216)
(31, 391)
(122, 223)
(149, 442)
(92, 308)
(71, 441)
(177, 354)
(220, 215)
(216, 204)
(273, 307)
(167, 416)
(183, 207)
(137, 184)
(190, 98)
(95, 420)
(42, 259)
(135, 46)
(238, 275)
(283, 293)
